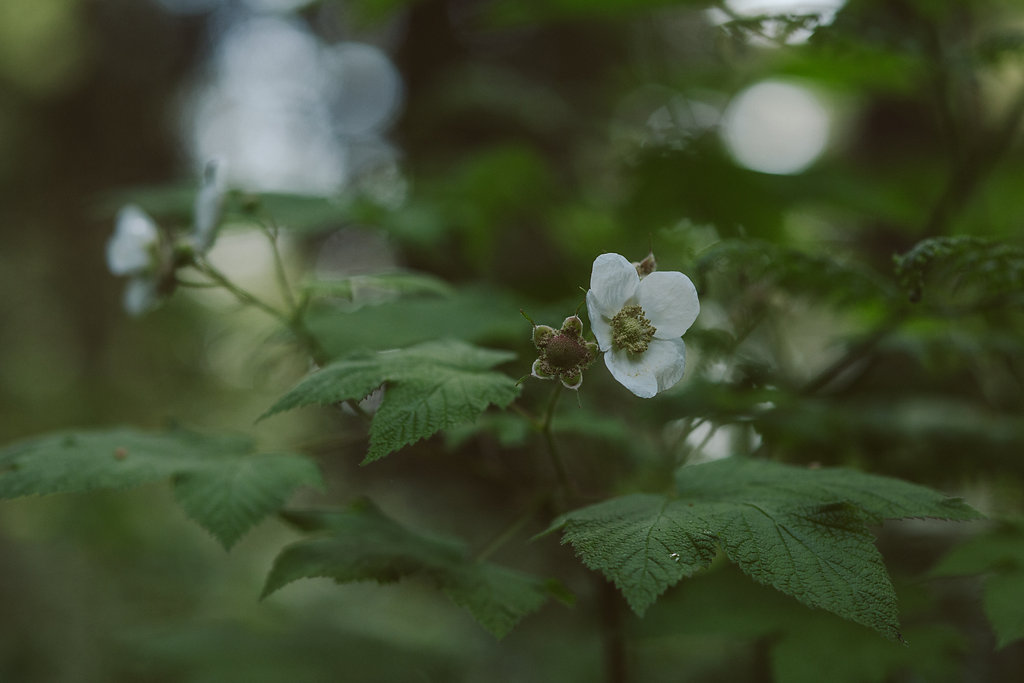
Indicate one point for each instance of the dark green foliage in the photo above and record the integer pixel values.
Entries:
(799, 273)
(532, 136)
(312, 647)
(999, 554)
(430, 386)
(219, 481)
(802, 646)
(362, 544)
(473, 315)
(803, 532)
(960, 267)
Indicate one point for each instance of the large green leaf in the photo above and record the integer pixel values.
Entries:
(362, 543)
(429, 387)
(218, 480)
(801, 531)
(228, 496)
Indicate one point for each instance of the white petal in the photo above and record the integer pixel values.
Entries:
(209, 202)
(600, 325)
(668, 357)
(657, 369)
(130, 248)
(631, 373)
(614, 282)
(669, 300)
(140, 295)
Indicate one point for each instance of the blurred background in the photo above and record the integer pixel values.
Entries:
(780, 152)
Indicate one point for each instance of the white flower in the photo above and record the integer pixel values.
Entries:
(134, 250)
(141, 294)
(208, 205)
(133, 247)
(638, 323)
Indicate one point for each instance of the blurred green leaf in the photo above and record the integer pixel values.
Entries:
(473, 314)
(807, 653)
(801, 643)
(817, 275)
(218, 480)
(1004, 595)
(175, 202)
(429, 387)
(999, 553)
(531, 11)
(803, 532)
(963, 268)
(401, 283)
(362, 544)
(304, 647)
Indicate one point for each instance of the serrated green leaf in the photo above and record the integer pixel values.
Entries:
(228, 496)
(803, 532)
(71, 461)
(219, 482)
(430, 386)
(879, 497)
(362, 544)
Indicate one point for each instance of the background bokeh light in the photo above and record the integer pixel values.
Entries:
(776, 127)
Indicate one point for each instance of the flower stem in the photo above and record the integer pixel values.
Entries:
(207, 269)
(293, 320)
(270, 230)
(511, 530)
(549, 440)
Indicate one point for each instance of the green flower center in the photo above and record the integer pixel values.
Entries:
(631, 330)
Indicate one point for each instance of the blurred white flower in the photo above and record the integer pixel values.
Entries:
(133, 247)
(141, 294)
(638, 323)
(134, 250)
(208, 205)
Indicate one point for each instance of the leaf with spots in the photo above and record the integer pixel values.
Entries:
(219, 481)
(802, 531)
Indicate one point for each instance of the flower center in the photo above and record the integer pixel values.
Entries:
(631, 330)
(564, 352)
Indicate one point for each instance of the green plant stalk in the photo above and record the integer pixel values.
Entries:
(243, 296)
(549, 439)
(279, 270)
